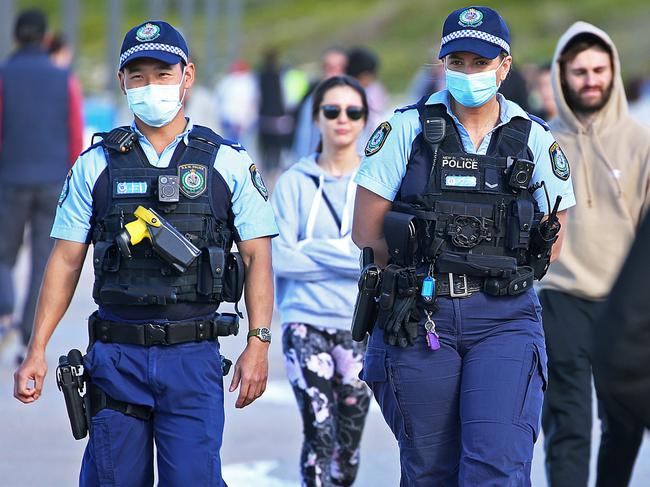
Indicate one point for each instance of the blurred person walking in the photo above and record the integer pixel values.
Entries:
(307, 135)
(610, 160)
(237, 100)
(40, 137)
(316, 265)
(275, 124)
(363, 65)
(622, 353)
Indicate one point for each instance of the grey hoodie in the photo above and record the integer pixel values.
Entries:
(315, 262)
(610, 168)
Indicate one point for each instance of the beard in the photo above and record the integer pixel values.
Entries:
(578, 105)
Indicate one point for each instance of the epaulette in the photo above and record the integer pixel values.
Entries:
(540, 121)
(93, 146)
(406, 108)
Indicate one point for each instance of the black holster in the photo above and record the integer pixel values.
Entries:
(71, 380)
(365, 308)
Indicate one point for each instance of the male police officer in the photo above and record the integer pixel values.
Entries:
(457, 360)
(154, 364)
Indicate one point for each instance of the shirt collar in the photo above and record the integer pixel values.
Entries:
(508, 109)
(183, 135)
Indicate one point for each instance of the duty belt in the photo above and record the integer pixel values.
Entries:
(149, 334)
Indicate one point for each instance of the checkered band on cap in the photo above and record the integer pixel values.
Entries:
(153, 46)
(477, 34)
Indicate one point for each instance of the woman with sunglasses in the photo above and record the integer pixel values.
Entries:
(316, 265)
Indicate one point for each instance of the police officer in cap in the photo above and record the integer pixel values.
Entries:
(456, 195)
(162, 202)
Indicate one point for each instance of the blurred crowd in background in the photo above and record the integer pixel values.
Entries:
(264, 102)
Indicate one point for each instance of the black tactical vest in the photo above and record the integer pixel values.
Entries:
(145, 285)
(470, 215)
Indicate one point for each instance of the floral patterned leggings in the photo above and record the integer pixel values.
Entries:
(323, 367)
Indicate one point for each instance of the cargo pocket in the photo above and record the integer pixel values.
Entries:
(534, 379)
(380, 377)
(100, 440)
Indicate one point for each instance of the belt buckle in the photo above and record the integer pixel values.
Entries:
(155, 334)
(452, 290)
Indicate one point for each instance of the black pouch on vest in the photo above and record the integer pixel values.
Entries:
(520, 223)
(233, 279)
(106, 257)
(211, 271)
(476, 265)
(400, 232)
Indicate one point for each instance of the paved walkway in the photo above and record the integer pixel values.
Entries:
(261, 444)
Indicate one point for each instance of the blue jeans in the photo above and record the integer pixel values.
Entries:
(184, 386)
(467, 414)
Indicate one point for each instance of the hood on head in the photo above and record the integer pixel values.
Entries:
(616, 106)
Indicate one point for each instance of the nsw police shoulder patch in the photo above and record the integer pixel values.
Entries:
(377, 139)
(559, 162)
(193, 179)
(258, 182)
(65, 190)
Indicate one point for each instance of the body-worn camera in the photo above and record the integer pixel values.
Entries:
(168, 191)
(520, 173)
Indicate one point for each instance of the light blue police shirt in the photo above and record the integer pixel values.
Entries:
(253, 213)
(382, 172)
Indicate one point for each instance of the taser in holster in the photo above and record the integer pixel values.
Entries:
(166, 241)
(71, 381)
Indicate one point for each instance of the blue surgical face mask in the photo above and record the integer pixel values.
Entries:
(155, 105)
(472, 90)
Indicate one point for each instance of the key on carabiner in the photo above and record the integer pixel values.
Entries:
(432, 337)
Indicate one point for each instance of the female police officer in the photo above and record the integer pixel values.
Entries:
(457, 359)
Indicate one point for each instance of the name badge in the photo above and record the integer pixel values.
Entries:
(130, 188)
(460, 181)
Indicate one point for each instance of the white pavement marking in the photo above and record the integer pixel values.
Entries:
(254, 473)
(279, 392)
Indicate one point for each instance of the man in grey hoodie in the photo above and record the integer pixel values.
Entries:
(609, 154)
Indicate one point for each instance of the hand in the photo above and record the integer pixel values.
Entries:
(251, 370)
(34, 367)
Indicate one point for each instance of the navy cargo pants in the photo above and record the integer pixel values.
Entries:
(467, 414)
(184, 386)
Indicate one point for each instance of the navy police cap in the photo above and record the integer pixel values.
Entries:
(154, 39)
(479, 30)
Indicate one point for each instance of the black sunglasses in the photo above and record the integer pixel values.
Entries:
(332, 112)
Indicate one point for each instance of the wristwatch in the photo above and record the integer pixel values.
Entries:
(264, 334)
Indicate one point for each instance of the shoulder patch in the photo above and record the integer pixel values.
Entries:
(377, 139)
(65, 190)
(258, 182)
(559, 162)
(540, 121)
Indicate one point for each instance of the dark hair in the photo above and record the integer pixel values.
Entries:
(581, 43)
(57, 43)
(326, 85)
(360, 61)
(30, 27)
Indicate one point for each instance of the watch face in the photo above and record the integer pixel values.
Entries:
(265, 334)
